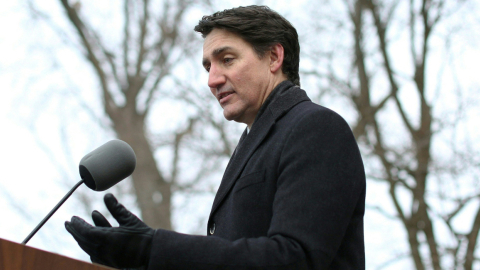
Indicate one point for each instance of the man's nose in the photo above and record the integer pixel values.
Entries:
(215, 77)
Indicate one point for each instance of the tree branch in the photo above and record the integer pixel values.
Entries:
(126, 40)
(472, 241)
(381, 32)
(82, 31)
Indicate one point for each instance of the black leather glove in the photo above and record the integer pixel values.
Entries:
(127, 246)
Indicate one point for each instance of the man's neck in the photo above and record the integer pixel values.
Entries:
(272, 96)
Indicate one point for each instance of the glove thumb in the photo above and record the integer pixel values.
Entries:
(99, 220)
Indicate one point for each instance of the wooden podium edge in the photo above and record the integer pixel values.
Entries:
(14, 256)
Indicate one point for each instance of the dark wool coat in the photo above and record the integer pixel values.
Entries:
(292, 196)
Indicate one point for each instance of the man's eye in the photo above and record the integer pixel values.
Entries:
(227, 60)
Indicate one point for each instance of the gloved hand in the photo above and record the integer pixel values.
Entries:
(127, 246)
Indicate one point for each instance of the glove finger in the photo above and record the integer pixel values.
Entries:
(120, 213)
(85, 243)
(99, 220)
(80, 225)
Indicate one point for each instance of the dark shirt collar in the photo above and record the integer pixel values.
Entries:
(279, 90)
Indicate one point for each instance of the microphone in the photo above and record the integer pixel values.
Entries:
(107, 165)
(99, 170)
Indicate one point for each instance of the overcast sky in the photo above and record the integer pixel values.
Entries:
(36, 168)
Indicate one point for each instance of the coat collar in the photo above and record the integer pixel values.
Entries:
(283, 98)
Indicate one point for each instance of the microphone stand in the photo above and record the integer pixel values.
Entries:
(52, 212)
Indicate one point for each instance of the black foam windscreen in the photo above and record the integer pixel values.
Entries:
(107, 165)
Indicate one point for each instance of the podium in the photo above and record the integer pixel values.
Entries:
(15, 256)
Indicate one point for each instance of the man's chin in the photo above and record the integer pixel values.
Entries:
(235, 116)
(230, 115)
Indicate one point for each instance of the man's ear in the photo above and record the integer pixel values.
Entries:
(276, 57)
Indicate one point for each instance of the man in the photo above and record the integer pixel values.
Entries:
(293, 193)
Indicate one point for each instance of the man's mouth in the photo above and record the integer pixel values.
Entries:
(223, 95)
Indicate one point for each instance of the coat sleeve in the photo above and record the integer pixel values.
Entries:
(318, 207)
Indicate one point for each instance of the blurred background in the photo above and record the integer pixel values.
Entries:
(404, 74)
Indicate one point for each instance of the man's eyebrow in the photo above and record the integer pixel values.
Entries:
(220, 50)
(215, 52)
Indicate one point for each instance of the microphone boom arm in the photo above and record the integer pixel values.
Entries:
(52, 212)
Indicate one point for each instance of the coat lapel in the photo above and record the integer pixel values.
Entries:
(284, 100)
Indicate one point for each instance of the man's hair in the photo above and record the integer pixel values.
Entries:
(262, 28)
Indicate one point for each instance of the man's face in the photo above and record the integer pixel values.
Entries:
(238, 78)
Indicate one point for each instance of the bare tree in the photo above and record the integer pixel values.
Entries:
(398, 113)
(130, 75)
(395, 100)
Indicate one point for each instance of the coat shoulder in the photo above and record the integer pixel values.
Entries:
(308, 114)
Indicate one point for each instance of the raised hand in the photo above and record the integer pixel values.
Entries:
(126, 246)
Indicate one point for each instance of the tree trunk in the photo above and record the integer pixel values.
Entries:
(153, 193)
